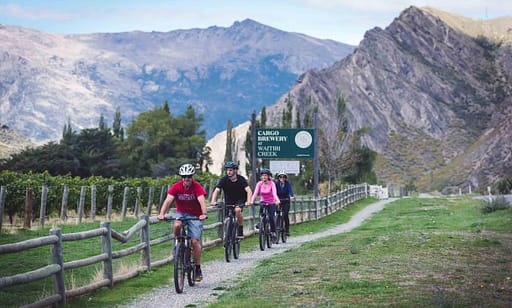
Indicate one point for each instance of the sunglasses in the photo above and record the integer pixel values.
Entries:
(186, 176)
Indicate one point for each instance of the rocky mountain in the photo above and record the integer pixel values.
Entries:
(12, 142)
(225, 73)
(432, 90)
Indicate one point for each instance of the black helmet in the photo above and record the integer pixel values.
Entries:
(230, 164)
(266, 171)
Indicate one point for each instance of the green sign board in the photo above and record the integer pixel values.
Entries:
(285, 143)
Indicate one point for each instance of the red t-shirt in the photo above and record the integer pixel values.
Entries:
(186, 199)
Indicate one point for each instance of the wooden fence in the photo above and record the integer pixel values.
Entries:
(301, 210)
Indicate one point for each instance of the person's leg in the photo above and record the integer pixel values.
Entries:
(195, 229)
(240, 221)
(286, 210)
(272, 217)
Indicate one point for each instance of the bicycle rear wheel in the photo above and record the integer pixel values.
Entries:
(179, 268)
(228, 230)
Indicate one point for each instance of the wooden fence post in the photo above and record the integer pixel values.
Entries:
(125, 202)
(93, 202)
(58, 258)
(64, 204)
(144, 238)
(109, 201)
(293, 206)
(28, 209)
(3, 192)
(137, 202)
(106, 247)
(81, 204)
(42, 212)
(163, 194)
(150, 199)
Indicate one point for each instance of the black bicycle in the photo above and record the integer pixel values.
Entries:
(265, 236)
(184, 264)
(280, 228)
(231, 240)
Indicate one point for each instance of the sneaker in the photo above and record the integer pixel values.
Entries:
(240, 231)
(257, 225)
(199, 274)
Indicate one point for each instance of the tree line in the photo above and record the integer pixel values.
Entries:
(154, 145)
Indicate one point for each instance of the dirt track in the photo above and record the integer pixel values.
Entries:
(218, 274)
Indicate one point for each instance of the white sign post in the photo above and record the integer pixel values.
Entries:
(288, 166)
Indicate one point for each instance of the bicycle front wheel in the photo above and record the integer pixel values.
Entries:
(179, 268)
(279, 228)
(262, 234)
(189, 265)
(228, 230)
(268, 234)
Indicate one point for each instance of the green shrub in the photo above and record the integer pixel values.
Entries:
(494, 204)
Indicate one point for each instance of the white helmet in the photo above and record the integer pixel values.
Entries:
(282, 173)
(187, 169)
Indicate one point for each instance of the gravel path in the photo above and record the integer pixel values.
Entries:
(216, 273)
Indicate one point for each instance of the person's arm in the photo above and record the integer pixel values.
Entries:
(290, 191)
(256, 192)
(274, 193)
(214, 196)
(248, 191)
(204, 210)
(167, 202)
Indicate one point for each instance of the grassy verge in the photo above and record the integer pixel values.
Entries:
(416, 252)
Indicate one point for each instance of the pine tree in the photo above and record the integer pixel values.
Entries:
(117, 130)
(228, 156)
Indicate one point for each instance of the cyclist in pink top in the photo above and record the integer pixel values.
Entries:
(266, 189)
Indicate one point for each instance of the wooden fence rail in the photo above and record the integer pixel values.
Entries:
(302, 210)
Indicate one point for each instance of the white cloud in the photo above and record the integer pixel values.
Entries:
(16, 11)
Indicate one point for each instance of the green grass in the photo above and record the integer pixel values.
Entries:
(32, 259)
(414, 253)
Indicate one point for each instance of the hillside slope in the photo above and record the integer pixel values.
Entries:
(436, 99)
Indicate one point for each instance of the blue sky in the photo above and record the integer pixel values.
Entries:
(341, 20)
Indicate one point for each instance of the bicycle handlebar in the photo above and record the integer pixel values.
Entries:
(221, 204)
(169, 218)
(262, 204)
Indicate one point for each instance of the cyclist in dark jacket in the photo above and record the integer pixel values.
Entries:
(285, 194)
(236, 192)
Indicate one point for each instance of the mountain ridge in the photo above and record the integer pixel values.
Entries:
(47, 79)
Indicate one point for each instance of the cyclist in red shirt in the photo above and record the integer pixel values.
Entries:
(190, 202)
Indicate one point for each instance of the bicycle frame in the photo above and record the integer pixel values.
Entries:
(231, 241)
(183, 261)
(265, 236)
